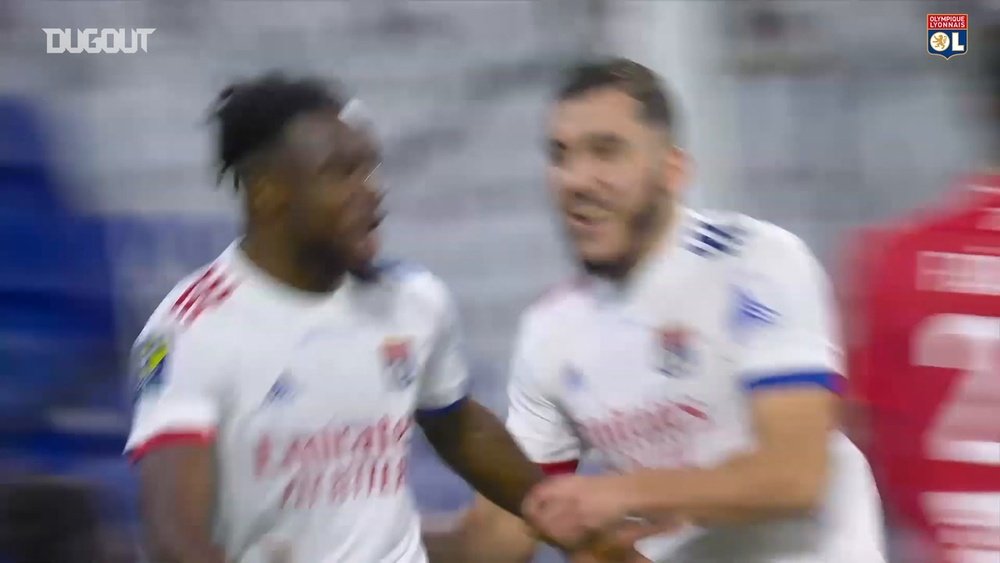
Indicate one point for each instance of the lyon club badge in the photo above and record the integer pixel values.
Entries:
(947, 34)
(398, 363)
(675, 352)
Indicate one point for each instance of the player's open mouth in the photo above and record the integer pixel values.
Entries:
(587, 220)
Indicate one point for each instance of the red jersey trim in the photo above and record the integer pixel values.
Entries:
(560, 467)
(209, 290)
(164, 439)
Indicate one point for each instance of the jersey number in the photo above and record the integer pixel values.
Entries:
(966, 428)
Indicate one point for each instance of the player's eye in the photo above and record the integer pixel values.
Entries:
(607, 148)
(557, 152)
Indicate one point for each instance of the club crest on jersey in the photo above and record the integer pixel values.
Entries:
(149, 361)
(675, 352)
(398, 362)
(947, 34)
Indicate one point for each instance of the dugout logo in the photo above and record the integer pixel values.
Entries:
(92, 40)
(947, 34)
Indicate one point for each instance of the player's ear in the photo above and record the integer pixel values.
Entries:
(677, 169)
(266, 195)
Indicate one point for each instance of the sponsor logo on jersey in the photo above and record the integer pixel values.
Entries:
(665, 433)
(675, 351)
(398, 363)
(336, 463)
(150, 358)
(948, 34)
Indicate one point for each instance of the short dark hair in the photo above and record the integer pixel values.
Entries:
(252, 115)
(639, 82)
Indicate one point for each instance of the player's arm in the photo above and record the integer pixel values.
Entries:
(784, 476)
(178, 498)
(487, 532)
(468, 437)
(177, 410)
(475, 444)
(789, 370)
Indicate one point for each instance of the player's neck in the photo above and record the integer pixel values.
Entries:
(291, 267)
(659, 235)
(656, 235)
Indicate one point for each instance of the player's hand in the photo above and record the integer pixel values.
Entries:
(570, 508)
(617, 543)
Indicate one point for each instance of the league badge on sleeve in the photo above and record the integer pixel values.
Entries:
(398, 362)
(150, 357)
(947, 34)
(675, 351)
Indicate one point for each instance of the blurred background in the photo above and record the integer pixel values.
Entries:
(818, 115)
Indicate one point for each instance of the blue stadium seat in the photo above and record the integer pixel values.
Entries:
(56, 314)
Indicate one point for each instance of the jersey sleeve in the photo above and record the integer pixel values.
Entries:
(178, 373)
(534, 417)
(446, 374)
(784, 318)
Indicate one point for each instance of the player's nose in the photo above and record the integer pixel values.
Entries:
(578, 178)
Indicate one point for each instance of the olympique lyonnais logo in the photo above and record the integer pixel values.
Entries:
(947, 34)
(93, 40)
(398, 362)
(676, 352)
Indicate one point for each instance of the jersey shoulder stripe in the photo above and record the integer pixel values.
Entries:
(418, 285)
(715, 235)
(209, 289)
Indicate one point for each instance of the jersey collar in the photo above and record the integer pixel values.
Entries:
(244, 268)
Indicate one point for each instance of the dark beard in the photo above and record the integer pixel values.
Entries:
(321, 262)
(641, 226)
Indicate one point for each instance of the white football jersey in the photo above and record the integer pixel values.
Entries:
(309, 400)
(659, 371)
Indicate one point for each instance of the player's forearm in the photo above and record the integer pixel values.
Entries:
(178, 486)
(475, 444)
(746, 489)
(483, 533)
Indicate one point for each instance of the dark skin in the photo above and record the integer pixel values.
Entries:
(475, 444)
(177, 494)
(311, 218)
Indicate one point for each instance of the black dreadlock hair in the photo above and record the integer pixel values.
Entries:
(252, 115)
(632, 78)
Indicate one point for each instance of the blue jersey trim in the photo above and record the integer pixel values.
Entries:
(716, 230)
(825, 379)
(447, 409)
(708, 240)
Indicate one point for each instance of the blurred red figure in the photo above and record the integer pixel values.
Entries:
(923, 329)
(924, 317)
